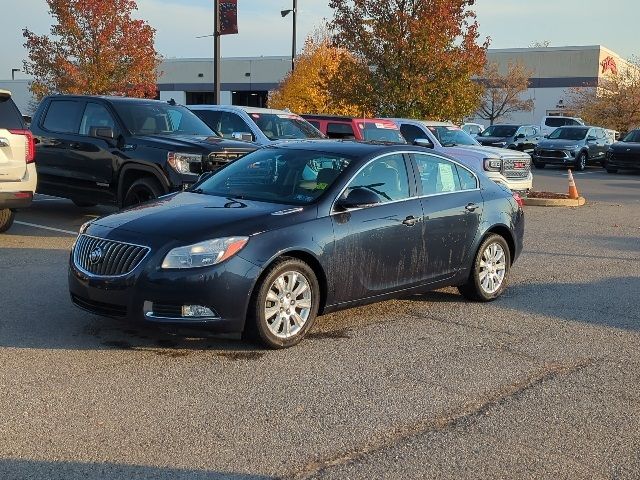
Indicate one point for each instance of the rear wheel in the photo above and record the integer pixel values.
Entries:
(284, 305)
(142, 190)
(488, 277)
(581, 161)
(6, 219)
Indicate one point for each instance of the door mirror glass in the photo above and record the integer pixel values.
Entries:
(244, 136)
(520, 135)
(359, 197)
(101, 132)
(423, 142)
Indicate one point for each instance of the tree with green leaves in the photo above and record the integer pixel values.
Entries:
(417, 58)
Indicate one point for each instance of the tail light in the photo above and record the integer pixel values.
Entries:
(518, 199)
(30, 151)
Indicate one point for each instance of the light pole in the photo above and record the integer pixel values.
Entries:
(13, 73)
(284, 13)
(216, 52)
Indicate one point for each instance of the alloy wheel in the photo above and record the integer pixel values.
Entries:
(288, 304)
(493, 268)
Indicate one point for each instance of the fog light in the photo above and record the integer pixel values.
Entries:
(196, 311)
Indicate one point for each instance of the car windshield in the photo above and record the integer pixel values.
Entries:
(632, 137)
(158, 118)
(450, 136)
(500, 131)
(569, 134)
(282, 126)
(276, 175)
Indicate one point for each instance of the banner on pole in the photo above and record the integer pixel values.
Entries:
(228, 17)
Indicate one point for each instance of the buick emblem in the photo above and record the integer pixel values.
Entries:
(95, 256)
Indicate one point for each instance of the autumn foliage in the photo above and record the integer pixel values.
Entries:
(95, 47)
(420, 55)
(503, 91)
(314, 85)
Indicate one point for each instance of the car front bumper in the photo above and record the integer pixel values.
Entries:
(150, 294)
(567, 159)
(523, 184)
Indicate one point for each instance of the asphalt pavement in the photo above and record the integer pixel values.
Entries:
(542, 383)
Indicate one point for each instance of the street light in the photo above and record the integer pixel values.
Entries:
(284, 13)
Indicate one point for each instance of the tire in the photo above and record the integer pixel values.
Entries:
(581, 161)
(6, 219)
(481, 288)
(81, 204)
(142, 190)
(539, 165)
(271, 320)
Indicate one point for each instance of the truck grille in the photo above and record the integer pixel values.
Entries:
(107, 258)
(516, 167)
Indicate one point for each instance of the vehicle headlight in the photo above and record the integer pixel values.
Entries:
(180, 161)
(204, 254)
(492, 164)
(84, 227)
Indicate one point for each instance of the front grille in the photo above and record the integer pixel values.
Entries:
(99, 308)
(509, 169)
(215, 160)
(552, 153)
(107, 258)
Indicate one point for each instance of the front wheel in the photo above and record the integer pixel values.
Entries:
(142, 190)
(488, 277)
(581, 161)
(285, 304)
(6, 219)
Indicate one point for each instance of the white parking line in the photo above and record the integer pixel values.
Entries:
(44, 227)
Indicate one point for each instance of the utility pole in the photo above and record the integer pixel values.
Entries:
(293, 43)
(216, 52)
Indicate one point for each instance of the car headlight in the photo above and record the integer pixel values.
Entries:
(492, 164)
(84, 227)
(204, 254)
(180, 161)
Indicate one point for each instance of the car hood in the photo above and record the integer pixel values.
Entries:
(558, 143)
(493, 139)
(486, 151)
(625, 147)
(192, 217)
(210, 143)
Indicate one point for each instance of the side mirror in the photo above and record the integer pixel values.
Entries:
(591, 138)
(520, 135)
(244, 136)
(102, 132)
(358, 198)
(423, 142)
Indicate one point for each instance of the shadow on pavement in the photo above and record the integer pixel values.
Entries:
(11, 469)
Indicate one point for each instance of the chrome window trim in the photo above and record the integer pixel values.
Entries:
(106, 277)
(404, 152)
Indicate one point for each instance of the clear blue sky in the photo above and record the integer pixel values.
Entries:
(509, 23)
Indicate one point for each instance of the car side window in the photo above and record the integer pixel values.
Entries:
(210, 117)
(411, 132)
(468, 180)
(438, 175)
(63, 116)
(386, 176)
(340, 130)
(230, 122)
(600, 134)
(95, 115)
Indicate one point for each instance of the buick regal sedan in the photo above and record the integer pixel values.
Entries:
(292, 231)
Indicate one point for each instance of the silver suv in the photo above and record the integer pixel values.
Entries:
(17, 168)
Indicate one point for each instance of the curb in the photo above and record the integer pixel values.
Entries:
(554, 202)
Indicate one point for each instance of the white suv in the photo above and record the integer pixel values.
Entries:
(17, 168)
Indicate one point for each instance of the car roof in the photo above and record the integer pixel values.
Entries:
(344, 147)
(566, 127)
(243, 108)
(344, 118)
(111, 98)
(428, 123)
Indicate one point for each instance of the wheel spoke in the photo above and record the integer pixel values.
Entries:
(281, 285)
(286, 330)
(272, 296)
(271, 311)
(297, 319)
(292, 279)
(302, 287)
(303, 303)
(275, 326)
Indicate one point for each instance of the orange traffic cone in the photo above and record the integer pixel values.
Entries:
(573, 191)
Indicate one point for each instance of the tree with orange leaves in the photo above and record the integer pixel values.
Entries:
(421, 55)
(95, 48)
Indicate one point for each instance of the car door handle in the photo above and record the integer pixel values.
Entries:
(410, 221)
(471, 207)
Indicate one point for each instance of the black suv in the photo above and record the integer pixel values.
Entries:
(515, 137)
(123, 151)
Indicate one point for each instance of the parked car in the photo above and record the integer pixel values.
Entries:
(472, 128)
(263, 126)
(18, 177)
(515, 137)
(507, 167)
(625, 154)
(123, 151)
(550, 123)
(574, 147)
(299, 229)
(350, 128)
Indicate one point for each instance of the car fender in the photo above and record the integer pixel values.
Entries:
(148, 169)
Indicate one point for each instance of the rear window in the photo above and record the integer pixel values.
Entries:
(340, 130)
(555, 122)
(10, 118)
(282, 126)
(381, 132)
(63, 116)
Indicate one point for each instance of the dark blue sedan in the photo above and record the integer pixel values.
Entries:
(291, 231)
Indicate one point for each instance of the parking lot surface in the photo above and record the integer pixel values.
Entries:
(542, 383)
